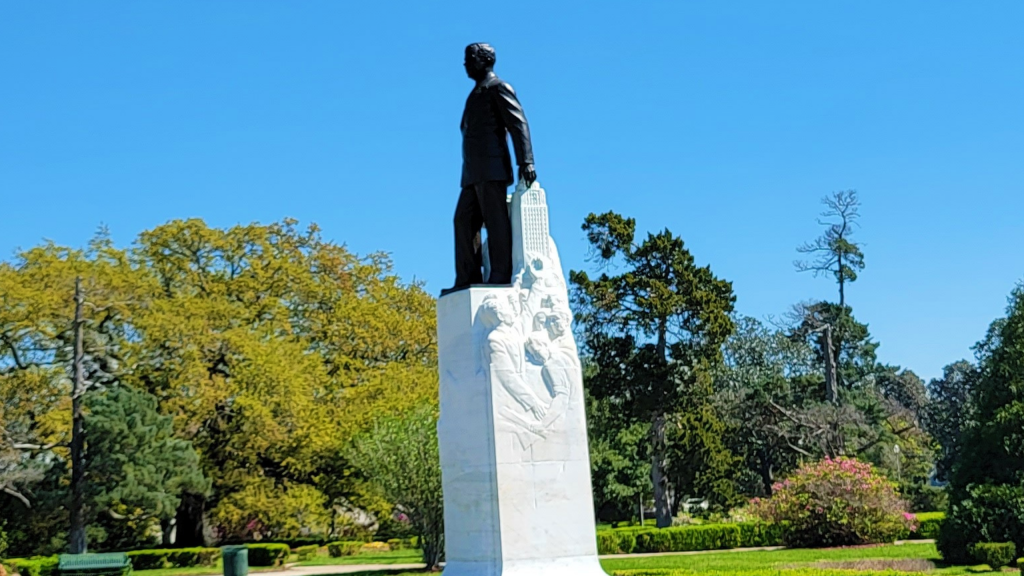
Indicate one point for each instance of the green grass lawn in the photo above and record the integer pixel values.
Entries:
(909, 557)
(195, 571)
(914, 558)
(392, 557)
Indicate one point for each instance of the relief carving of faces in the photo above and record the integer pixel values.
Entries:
(557, 325)
(538, 348)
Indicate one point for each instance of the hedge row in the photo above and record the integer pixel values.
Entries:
(268, 554)
(306, 552)
(928, 525)
(404, 543)
(339, 549)
(689, 538)
(764, 572)
(173, 558)
(35, 566)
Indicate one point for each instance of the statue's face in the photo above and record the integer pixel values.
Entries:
(538, 349)
(475, 69)
(556, 326)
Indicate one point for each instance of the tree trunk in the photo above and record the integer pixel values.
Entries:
(659, 477)
(431, 537)
(831, 381)
(167, 532)
(77, 543)
(767, 473)
(189, 521)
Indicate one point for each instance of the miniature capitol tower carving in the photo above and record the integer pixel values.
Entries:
(514, 457)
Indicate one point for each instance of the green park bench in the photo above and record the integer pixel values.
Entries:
(110, 564)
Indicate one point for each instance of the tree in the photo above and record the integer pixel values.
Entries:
(655, 332)
(758, 376)
(619, 464)
(399, 456)
(264, 510)
(270, 348)
(948, 413)
(62, 309)
(842, 345)
(834, 252)
(137, 469)
(273, 348)
(987, 485)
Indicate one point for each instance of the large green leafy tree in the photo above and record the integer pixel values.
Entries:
(987, 487)
(620, 466)
(763, 371)
(41, 335)
(136, 468)
(654, 331)
(399, 457)
(948, 413)
(269, 346)
(272, 347)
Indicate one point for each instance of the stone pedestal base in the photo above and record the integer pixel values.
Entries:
(513, 442)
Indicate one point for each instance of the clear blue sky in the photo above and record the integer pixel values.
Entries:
(723, 121)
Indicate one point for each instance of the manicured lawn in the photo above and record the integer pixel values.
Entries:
(908, 557)
(195, 571)
(392, 557)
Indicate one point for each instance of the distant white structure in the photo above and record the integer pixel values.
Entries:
(514, 457)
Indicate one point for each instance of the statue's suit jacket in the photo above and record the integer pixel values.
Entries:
(492, 110)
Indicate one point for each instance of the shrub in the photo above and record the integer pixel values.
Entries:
(616, 542)
(981, 513)
(837, 502)
(373, 547)
(173, 558)
(995, 554)
(402, 543)
(928, 525)
(689, 538)
(306, 552)
(268, 554)
(339, 549)
(35, 566)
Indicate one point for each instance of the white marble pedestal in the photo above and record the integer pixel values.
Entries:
(513, 442)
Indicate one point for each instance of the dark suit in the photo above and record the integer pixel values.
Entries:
(492, 114)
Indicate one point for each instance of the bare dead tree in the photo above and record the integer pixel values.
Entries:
(834, 253)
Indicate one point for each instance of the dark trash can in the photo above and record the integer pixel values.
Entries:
(236, 560)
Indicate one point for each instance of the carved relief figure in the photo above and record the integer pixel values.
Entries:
(557, 371)
(505, 353)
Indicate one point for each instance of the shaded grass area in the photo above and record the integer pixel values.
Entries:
(392, 557)
(869, 558)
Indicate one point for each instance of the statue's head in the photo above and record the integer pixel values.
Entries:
(494, 312)
(479, 60)
(558, 324)
(537, 346)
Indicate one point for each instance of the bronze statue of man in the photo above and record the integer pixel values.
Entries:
(491, 116)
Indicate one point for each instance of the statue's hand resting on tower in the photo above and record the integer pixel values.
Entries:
(527, 175)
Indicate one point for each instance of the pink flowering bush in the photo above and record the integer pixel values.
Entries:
(839, 502)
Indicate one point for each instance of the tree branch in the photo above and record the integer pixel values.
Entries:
(12, 492)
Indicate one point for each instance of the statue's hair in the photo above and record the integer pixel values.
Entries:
(483, 51)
